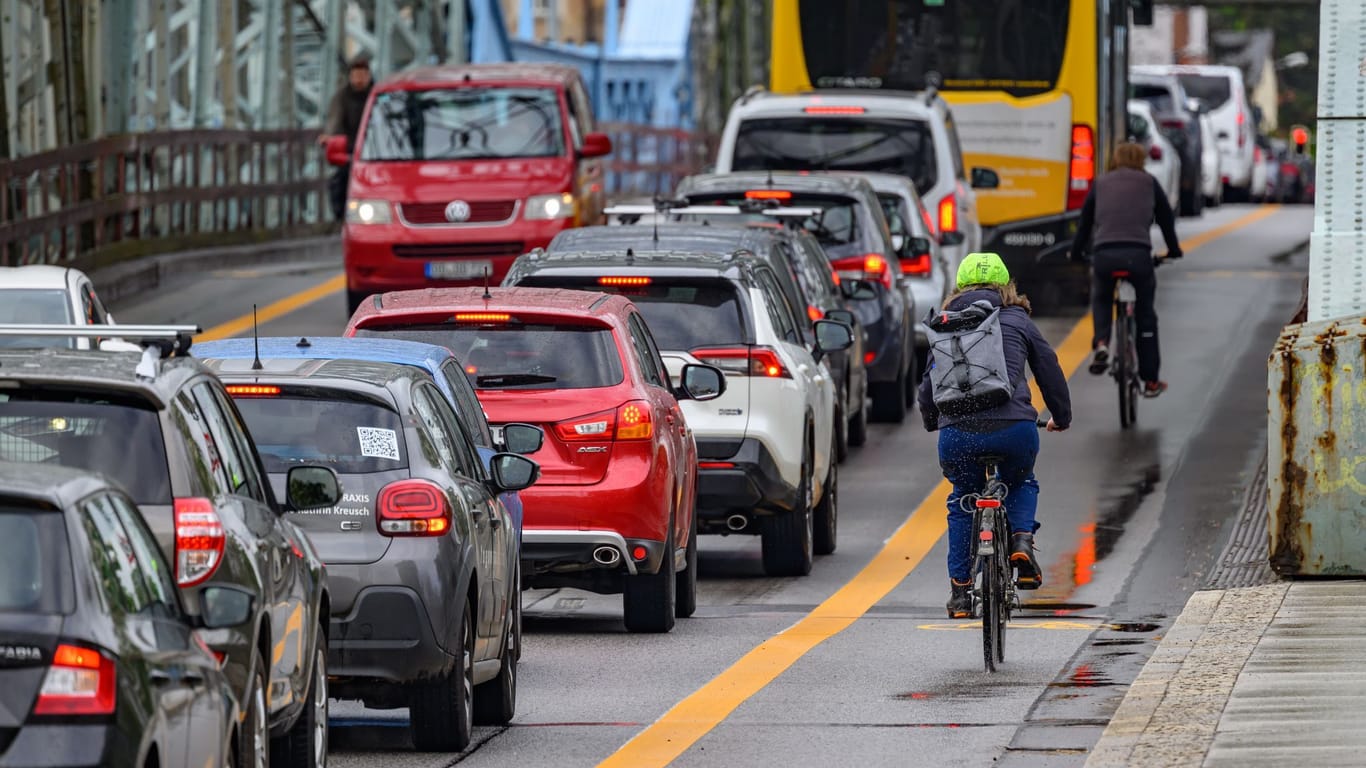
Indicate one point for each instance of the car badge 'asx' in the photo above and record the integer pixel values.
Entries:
(457, 211)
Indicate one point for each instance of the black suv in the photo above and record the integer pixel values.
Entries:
(422, 556)
(803, 273)
(168, 433)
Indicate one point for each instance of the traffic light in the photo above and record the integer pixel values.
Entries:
(1299, 136)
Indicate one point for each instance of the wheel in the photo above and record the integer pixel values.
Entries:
(495, 702)
(841, 427)
(1004, 608)
(858, 423)
(991, 610)
(649, 599)
(889, 400)
(787, 537)
(441, 715)
(255, 723)
(518, 607)
(685, 593)
(1122, 372)
(826, 525)
(305, 743)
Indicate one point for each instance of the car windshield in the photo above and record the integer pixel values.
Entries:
(464, 124)
(35, 568)
(353, 437)
(1213, 90)
(902, 147)
(523, 355)
(681, 314)
(37, 306)
(118, 439)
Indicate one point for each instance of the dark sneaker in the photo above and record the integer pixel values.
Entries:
(1154, 388)
(960, 599)
(1100, 360)
(1028, 575)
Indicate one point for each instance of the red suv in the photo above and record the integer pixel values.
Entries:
(458, 170)
(614, 508)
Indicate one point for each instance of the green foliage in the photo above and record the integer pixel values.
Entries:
(1297, 29)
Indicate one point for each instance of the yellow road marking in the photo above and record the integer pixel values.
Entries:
(695, 716)
(274, 310)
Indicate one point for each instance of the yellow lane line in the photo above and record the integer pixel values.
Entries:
(275, 310)
(707, 707)
(1195, 241)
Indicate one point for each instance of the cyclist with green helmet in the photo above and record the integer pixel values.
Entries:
(1008, 430)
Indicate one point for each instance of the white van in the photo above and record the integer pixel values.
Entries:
(1220, 88)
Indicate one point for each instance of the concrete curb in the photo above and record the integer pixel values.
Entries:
(1171, 712)
(128, 279)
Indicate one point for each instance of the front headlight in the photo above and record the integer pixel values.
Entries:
(368, 212)
(547, 207)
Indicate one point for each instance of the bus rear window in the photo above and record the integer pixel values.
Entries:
(1015, 46)
(902, 147)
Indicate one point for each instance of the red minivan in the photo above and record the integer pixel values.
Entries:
(458, 170)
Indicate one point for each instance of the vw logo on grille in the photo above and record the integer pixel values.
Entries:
(457, 210)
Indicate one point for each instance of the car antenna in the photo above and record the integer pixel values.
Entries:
(255, 342)
(487, 295)
(656, 230)
(630, 256)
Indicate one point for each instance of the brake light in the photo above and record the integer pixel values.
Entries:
(869, 357)
(834, 110)
(252, 390)
(620, 281)
(916, 265)
(634, 421)
(870, 266)
(1172, 123)
(716, 465)
(413, 508)
(814, 313)
(1155, 152)
(768, 194)
(79, 682)
(595, 426)
(1242, 135)
(1083, 168)
(745, 361)
(482, 317)
(948, 215)
(199, 541)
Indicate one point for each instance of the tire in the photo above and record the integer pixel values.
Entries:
(255, 739)
(441, 713)
(889, 400)
(495, 702)
(649, 601)
(1124, 374)
(858, 424)
(1003, 612)
(841, 426)
(305, 743)
(518, 606)
(825, 528)
(787, 537)
(685, 593)
(991, 606)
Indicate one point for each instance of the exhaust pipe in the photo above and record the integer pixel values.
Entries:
(606, 556)
(737, 522)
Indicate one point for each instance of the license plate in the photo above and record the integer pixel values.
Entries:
(459, 270)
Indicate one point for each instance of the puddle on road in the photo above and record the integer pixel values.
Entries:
(1133, 626)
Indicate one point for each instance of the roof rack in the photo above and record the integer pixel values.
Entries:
(157, 341)
(776, 211)
(751, 92)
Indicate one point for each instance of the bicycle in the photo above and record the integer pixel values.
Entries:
(1124, 361)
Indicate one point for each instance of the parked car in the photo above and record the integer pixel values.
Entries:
(508, 156)
(1163, 163)
(1211, 160)
(43, 294)
(1180, 125)
(167, 432)
(99, 662)
(615, 511)
(1272, 152)
(803, 272)
(1222, 90)
(761, 468)
(853, 231)
(1260, 179)
(421, 555)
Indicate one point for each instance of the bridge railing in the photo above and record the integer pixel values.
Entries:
(648, 161)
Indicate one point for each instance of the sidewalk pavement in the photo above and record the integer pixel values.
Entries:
(1270, 675)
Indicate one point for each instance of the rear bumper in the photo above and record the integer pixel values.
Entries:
(746, 481)
(386, 637)
(565, 558)
(65, 744)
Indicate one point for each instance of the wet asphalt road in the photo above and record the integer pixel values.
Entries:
(1132, 524)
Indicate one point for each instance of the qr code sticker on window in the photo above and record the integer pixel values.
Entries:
(378, 443)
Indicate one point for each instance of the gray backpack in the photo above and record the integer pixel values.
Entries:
(968, 361)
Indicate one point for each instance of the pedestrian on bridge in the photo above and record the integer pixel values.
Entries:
(343, 119)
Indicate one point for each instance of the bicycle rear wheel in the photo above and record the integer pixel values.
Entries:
(1123, 365)
(1004, 591)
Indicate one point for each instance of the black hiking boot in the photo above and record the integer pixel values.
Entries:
(960, 599)
(1028, 575)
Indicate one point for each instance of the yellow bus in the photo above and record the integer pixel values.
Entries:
(1038, 90)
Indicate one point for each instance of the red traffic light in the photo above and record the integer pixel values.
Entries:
(1300, 136)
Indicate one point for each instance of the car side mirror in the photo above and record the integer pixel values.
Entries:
(224, 606)
(336, 150)
(952, 238)
(701, 382)
(985, 178)
(842, 316)
(522, 438)
(513, 472)
(831, 337)
(860, 290)
(596, 145)
(311, 487)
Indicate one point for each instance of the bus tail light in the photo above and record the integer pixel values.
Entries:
(1083, 167)
(744, 361)
(199, 540)
(79, 682)
(413, 508)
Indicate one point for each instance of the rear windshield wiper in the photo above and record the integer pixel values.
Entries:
(512, 379)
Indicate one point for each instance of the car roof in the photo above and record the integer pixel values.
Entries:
(912, 103)
(36, 276)
(511, 74)
(422, 355)
(557, 302)
(797, 181)
(714, 237)
(57, 485)
(370, 376)
(661, 263)
(103, 370)
(1189, 69)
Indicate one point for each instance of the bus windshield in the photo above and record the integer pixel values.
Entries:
(1015, 46)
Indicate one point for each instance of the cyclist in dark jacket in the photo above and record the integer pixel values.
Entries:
(1007, 430)
(1117, 217)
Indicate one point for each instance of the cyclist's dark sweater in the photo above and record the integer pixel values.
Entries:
(1023, 344)
(1119, 212)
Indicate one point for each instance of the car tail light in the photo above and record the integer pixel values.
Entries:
(252, 390)
(1155, 152)
(1174, 123)
(869, 357)
(1242, 135)
(716, 465)
(768, 194)
(482, 317)
(948, 215)
(814, 312)
(79, 682)
(870, 266)
(623, 281)
(918, 264)
(834, 110)
(1083, 168)
(745, 361)
(595, 426)
(413, 508)
(199, 541)
(634, 421)
(1256, 154)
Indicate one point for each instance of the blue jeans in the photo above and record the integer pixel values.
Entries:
(958, 452)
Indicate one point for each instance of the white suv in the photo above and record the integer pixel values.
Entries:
(898, 132)
(1220, 89)
(766, 447)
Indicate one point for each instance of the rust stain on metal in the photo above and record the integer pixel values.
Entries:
(1287, 551)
